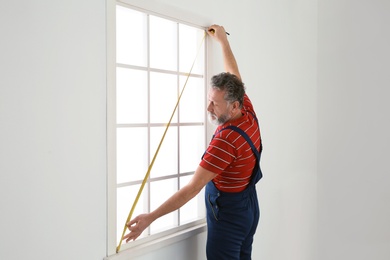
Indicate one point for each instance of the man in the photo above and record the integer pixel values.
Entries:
(229, 168)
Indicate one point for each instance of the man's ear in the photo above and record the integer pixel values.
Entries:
(236, 105)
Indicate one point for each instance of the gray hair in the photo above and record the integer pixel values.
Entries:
(234, 88)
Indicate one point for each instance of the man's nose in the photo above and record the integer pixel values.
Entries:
(209, 107)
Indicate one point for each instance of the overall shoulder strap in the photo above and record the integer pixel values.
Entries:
(247, 138)
(257, 173)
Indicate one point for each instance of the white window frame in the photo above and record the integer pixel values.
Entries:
(167, 237)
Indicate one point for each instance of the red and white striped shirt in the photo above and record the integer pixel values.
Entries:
(230, 156)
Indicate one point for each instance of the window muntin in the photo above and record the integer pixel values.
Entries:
(153, 58)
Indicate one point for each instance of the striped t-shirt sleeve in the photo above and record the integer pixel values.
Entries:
(219, 155)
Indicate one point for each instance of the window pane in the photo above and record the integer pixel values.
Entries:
(163, 44)
(195, 208)
(125, 200)
(131, 96)
(163, 97)
(131, 40)
(190, 40)
(192, 147)
(160, 191)
(132, 154)
(192, 103)
(167, 159)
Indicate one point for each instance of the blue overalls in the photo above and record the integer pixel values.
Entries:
(232, 218)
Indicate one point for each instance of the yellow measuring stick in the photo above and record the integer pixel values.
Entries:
(157, 150)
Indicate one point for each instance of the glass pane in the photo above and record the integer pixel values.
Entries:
(192, 147)
(132, 154)
(166, 162)
(193, 209)
(163, 43)
(192, 103)
(125, 200)
(163, 97)
(190, 41)
(131, 96)
(131, 40)
(160, 191)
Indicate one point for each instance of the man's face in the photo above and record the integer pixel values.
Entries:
(219, 110)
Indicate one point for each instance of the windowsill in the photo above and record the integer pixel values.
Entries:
(147, 247)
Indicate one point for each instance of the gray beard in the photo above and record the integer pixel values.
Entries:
(218, 120)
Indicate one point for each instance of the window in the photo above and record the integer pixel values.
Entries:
(154, 56)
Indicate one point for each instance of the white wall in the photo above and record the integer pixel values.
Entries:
(53, 137)
(285, 64)
(192, 248)
(353, 130)
(53, 129)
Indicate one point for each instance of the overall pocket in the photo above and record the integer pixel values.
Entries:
(213, 205)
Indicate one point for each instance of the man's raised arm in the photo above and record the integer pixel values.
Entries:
(218, 32)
